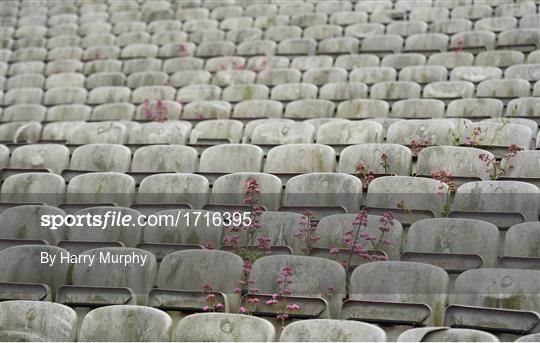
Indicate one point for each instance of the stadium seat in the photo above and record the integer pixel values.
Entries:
(486, 290)
(174, 188)
(229, 189)
(54, 157)
(362, 108)
(125, 323)
(101, 187)
(331, 229)
(101, 157)
(282, 133)
(217, 130)
(331, 330)
(350, 132)
(257, 109)
(418, 109)
(230, 158)
(114, 111)
(519, 246)
(309, 108)
(444, 333)
(207, 109)
(241, 328)
(34, 187)
(423, 132)
(168, 132)
(188, 272)
(397, 284)
(324, 189)
(164, 158)
(24, 320)
(300, 158)
(309, 283)
(399, 158)
(22, 264)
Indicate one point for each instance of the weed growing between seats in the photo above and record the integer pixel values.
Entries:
(283, 282)
(445, 177)
(306, 234)
(156, 113)
(494, 167)
(357, 240)
(366, 175)
(212, 304)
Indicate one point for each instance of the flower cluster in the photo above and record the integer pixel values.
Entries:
(365, 175)
(476, 138)
(251, 197)
(445, 177)
(355, 239)
(385, 163)
(212, 304)
(307, 232)
(247, 286)
(417, 146)
(283, 282)
(494, 167)
(156, 113)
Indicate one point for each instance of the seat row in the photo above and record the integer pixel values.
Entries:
(519, 39)
(107, 63)
(303, 14)
(498, 133)
(506, 90)
(166, 31)
(157, 326)
(420, 241)
(323, 77)
(518, 110)
(340, 192)
(185, 277)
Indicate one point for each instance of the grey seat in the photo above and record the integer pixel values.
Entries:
(229, 158)
(36, 156)
(203, 326)
(125, 323)
(34, 187)
(101, 187)
(165, 158)
(35, 321)
(101, 157)
(311, 330)
(300, 158)
(445, 334)
(174, 188)
(399, 158)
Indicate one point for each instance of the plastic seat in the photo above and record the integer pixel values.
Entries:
(339, 45)
(23, 96)
(294, 91)
(418, 109)
(229, 189)
(274, 77)
(101, 187)
(282, 133)
(297, 46)
(311, 278)
(279, 33)
(501, 135)
(300, 158)
(527, 72)
(142, 79)
(452, 59)
(507, 88)
(407, 28)
(522, 107)
(399, 158)
(305, 20)
(451, 26)
(113, 111)
(201, 326)
(104, 132)
(309, 108)
(22, 264)
(324, 189)
(311, 330)
(267, 21)
(54, 157)
(237, 93)
(519, 246)
(17, 326)
(101, 157)
(515, 10)
(459, 161)
(190, 270)
(174, 188)
(379, 43)
(449, 90)
(25, 81)
(473, 41)
(168, 132)
(304, 63)
(34, 187)
(231, 77)
(207, 109)
(362, 108)
(350, 62)
(323, 32)
(198, 92)
(400, 61)
(363, 30)
(496, 24)
(258, 109)
(256, 47)
(471, 108)
(125, 323)
(343, 91)
(445, 334)
(475, 74)
(219, 129)
(230, 158)
(498, 196)
(426, 42)
(379, 282)
(345, 132)
(456, 238)
(474, 287)
(395, 90)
